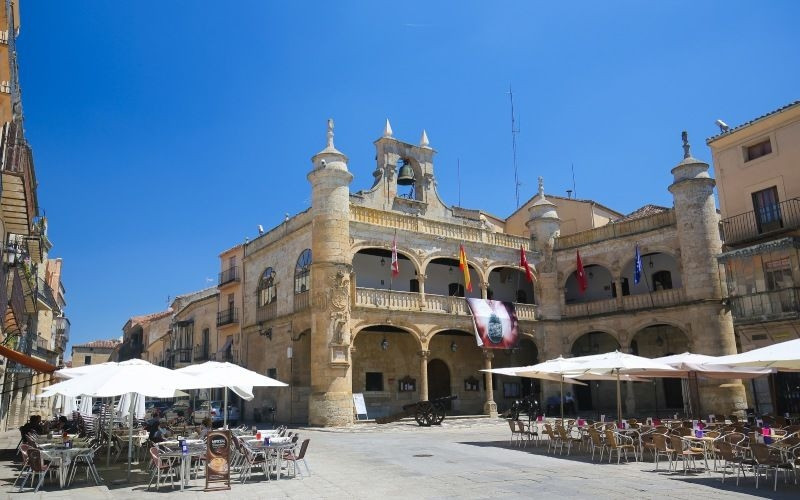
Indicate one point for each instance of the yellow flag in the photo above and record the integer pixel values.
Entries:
(462, 264)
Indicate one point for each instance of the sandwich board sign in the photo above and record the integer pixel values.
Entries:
(360, 407)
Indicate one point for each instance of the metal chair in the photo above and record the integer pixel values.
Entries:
(294, 459)
(161, 465)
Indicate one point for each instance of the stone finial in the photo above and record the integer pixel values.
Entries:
(423, 141)
(387, 131)
(541, 186)
(330, 133)
(686, 145)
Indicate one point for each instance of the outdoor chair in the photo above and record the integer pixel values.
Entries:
(553, 439)
(682, 431)
(732, 457)
(291, 457)
(524, 433)
(87, 460)
(661, 448)
(26, 466)
(514, 431)
(685, 451)
(162, 465)
(647, 443)
(38, 467)
(566, 438)
(765, 459)
(619, 443)
(253, 459)
(596, 442)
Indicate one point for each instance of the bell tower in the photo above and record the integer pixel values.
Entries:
(330, 402)
(545, 226)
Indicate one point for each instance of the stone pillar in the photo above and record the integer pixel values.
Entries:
(490, 407)
(698, 233)
(331, 398)
(484, 290)
(423, 374)
(421, 279)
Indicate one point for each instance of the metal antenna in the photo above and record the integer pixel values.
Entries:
(574, 191)
(514, 132)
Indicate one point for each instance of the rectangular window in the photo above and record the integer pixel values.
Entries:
(413, 286)
(767, 210)
(374, 381)
(778, 274)
(758, 150)
(272, 373)
(87, 360)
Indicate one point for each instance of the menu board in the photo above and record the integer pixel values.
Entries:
(218, 471)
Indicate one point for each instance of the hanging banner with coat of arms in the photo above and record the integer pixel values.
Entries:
(496, 325)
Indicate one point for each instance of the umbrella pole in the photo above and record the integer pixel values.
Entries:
(619, 401)
(225, 410)
(109, 415)
(562, 399)
(130, 433)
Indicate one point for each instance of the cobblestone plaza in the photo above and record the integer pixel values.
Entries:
(465, 458)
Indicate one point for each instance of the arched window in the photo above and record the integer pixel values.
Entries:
(302, 272)
(266, 288)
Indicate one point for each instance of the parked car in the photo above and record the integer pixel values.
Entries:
(213, 410)
(181, 408)
(151, 406)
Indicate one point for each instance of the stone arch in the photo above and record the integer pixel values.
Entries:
(655, 340)
(474, 265)
(407, 252)
(648, 322)
(600, 281)
(372, 269)
(606, 341)
(652, 261)
(509, 284)
(408, 328)
(442, 271)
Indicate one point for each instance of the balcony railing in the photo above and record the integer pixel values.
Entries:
(435, 228)
(412, 301)
(183, 355)
(301, 301)
(229, 275)
(660, 298)
(766, 306)
(769, 221)
(267, 312)
(228, 317)
(616, 230)
(43, 345)
(201, 353)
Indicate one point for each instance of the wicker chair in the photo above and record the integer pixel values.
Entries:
(619, 443)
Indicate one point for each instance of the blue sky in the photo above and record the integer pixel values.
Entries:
(166, 132)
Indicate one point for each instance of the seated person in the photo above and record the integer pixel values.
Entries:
(34, 425)
(205, 428)
(63, 425)
(157, 430)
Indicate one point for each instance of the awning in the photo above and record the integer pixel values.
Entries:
(225, 347)
(29, 361)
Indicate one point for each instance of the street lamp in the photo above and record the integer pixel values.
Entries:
(264, 333)
(384, 344)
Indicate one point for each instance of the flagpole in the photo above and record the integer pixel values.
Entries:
(646, 283)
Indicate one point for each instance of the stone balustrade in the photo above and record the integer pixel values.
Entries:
(661, 298)
(616, 230)
(435, 228)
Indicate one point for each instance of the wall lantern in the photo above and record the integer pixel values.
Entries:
(264, 332)
(453, 346)
(384, 344)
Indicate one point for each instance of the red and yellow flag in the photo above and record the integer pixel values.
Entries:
(462, 264)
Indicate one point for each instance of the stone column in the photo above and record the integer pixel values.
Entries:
(331, 399)
(484, 290)
(423, 374)
(421, 279)
(490, 407)
(698, 233)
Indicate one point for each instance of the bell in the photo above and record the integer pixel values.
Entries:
(406, 175)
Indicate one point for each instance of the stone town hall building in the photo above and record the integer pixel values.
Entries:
(320, 310)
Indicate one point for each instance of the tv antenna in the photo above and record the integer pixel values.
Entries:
(514, 132)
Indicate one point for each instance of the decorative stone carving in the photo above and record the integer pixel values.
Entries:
(340, 321)
(340, 291)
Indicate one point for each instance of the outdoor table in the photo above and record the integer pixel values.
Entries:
(278, 448)
(194, 450)
(64, 456)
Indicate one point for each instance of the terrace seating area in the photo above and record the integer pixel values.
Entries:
(762, 453)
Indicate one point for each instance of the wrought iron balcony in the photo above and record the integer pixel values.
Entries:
(766, 222)
(229, 275)
(766, 306)
(201, 353)
(228, 317)
(267, 312)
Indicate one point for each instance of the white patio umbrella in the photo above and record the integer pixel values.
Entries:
(618, 363)
(709, 367)
(784, 356)
(80, 370)
(213, 374)
(133, 376)
(65, 405)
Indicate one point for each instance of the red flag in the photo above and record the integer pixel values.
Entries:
(462, 264)
(395, 263)
(523, 263)
(582, 283)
